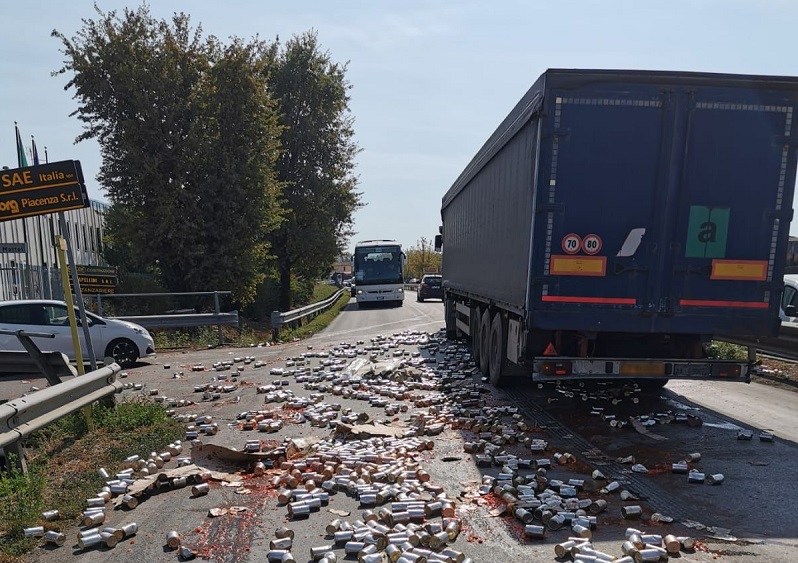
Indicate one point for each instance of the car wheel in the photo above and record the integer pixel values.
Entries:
(123, 351)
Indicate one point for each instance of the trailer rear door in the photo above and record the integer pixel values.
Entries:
(662, 207)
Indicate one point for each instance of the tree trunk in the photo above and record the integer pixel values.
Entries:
(284, 268)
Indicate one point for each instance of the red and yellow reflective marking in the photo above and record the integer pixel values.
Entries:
(578, 265)
(749, 270)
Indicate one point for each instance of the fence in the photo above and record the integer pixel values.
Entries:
(296, 317)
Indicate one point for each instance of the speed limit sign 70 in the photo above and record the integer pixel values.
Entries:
(591, 244)
(571, 243)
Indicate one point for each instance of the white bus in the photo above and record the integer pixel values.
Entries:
(379, 268)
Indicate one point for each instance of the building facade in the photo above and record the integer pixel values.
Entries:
(28, 257)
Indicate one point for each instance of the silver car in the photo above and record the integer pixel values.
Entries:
(125, 342)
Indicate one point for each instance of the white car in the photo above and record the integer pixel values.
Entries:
(789, 298)
(125, 342)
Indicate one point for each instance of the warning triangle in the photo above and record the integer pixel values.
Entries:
(550, 350)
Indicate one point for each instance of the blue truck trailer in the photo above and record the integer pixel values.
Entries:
(617, 221)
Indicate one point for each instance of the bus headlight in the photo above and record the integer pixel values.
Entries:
(399, 289)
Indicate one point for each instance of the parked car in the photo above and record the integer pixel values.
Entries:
(789, 299)
(125, 342)
(431, 286)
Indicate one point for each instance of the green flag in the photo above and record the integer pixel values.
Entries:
(22, 162)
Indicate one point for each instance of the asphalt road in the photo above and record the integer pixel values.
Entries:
(750, 517)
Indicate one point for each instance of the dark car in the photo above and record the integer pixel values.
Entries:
(431, 286)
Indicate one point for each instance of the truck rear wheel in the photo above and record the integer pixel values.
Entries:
(484, 342)
(449, 319)
(497, 349)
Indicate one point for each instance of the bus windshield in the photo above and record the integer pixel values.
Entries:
(377, 265)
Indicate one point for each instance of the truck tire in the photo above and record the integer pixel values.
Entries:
(484, 342)
(450, 320)
(473, 323)
(497, 347)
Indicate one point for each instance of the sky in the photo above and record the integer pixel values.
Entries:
(431, 80)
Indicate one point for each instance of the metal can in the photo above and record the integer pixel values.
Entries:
(130, 529)
(36, 531)
(200, 490)
(284, 532)
(51, 515)
(715, 479)
(173, 539)
(535, 532)
(54, 537)
(109, 539)
(631, 512)
(281, 543)
(90, 540)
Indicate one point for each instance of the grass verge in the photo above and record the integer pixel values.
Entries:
(247, 334)
(318, 323)
(63, 463)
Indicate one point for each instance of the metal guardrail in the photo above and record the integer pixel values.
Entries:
(21, 417)
(785, 345)
(217, 318)
(183, 320)
(295, 317)
(53, 365)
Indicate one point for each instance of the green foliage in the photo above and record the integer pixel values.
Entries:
(726, 351)
(420, 258)
(129, 415)
(317, 162)
(189, 139)
(318, 323)
(21, 503)
(62, 471)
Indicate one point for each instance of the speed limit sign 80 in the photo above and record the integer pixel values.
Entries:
(591, 244)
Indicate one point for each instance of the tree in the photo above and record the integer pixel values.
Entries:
(421, 258)
(189, 139)
(317, 162)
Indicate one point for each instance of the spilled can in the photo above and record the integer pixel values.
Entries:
(200, 490)
(51, 515)
(54, 537)
(535, 532)
(715, 479)
(36, 531)
(173, 539)
(130, 529)
(88, 541)
(631, 512)
(281, 544)
(672, 544)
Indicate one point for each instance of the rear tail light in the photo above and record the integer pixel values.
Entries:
(556, 368)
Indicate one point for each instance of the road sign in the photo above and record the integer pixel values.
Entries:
(591, 244)
(13, 248)
(571, 243)
(96, 279)
(36, 190)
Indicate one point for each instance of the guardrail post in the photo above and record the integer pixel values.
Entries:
(216, 312)
(17, 452)
(277, 323)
